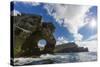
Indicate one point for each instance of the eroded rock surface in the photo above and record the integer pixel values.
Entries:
(28, 30)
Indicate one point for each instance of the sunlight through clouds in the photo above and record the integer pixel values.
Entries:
(92, 23)
(72, 16)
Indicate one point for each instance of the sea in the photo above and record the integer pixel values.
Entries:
(57, 58)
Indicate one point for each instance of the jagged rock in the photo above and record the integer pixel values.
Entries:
(69, 47)
(29, 29)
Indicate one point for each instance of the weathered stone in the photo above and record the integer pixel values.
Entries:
(31, 30)
(69, 48)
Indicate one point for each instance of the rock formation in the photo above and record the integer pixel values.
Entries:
(28, 30)
(69, 47)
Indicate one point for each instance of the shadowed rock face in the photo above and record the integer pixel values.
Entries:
(69, 48)
(31, 30)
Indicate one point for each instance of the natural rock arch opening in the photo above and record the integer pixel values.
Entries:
(34, 30)
(41, 44)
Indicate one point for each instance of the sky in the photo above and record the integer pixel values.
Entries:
(74, 23)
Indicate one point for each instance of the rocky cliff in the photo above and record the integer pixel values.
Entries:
(69, 47)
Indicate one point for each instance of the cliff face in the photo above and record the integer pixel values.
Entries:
(27, 31)
(69, 47)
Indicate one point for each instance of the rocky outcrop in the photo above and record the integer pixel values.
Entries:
(69, 47)
(29, 29)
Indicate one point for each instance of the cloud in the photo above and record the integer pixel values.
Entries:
(78, 37)
(73, 17)
(92, 23)
(15, 13)
(92, 45)
(31, 3)
(61, 40)
(69, 16)
(94, 37)
(35, 4)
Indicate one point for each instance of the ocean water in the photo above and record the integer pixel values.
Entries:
(57, 58)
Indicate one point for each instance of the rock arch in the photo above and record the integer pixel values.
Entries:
(42, 30)
(33, 49)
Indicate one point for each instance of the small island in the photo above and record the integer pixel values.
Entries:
(69, 47)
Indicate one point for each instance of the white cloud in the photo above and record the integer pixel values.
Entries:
(15, 13)
(94, 37)
(35, 4)
(92, 45)
(92, 23)
(61, 40)
(78, 37)
(70, 16)
(32, 3)
(73, 17)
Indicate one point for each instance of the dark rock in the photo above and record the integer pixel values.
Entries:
(69, 47)
(30, 29)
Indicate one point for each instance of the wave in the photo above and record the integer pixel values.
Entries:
(57, 58)
(22, 61)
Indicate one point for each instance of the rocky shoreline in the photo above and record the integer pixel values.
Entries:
(69, 47)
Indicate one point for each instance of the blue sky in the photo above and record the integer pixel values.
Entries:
(64, 29)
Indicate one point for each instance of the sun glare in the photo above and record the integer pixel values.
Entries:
(93, 23)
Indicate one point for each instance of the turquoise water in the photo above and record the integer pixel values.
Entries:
(58, 58)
